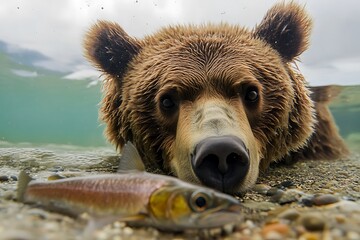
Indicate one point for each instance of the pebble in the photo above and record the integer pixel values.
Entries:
(313, 222)
(307, 200)
(9, 195)
(261, 188)
(4, 178)
(55, 176)
(279, 229)
(346, 206)
(17, 235)
(56, 169)
(272, 191)
(128, 231)
(227, 229)
(340, 219)
(289, 214)
(288, 196)
(261, 206)
(309, 236)
(286, 184)
(324, 199)
(273, 236)
(353, 236)
(38, 212)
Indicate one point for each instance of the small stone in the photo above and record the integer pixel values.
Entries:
(213, 232)
(307, 200)
(4, 178)
(40, 213)
(261, 188)
(227, 229)
(260, 206)
(119, 224)
(273, 236)
(337, 233)
(289, 214)
(326, 191)
(128, 231)
(346, 206)
(56, 169)
(56, 177)
(289, 196)
(17, 234)
(340, 218)
(9, 195)
(277, 196)
(279, 228)
(287, 183)
(309, 236)
(313, 222)
(13, 178)
(331, 183)
(324, 199)
(353, 236)
(349, 198)
(272, 191)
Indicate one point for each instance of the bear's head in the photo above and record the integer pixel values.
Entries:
(210, 104)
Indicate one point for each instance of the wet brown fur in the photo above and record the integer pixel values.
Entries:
(210, 63)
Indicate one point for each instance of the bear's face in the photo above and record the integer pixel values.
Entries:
(207, 104)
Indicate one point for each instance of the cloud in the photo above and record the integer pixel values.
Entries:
(335, 34)
(56, 28)
(24, 73)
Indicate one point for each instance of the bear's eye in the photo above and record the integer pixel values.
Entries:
(167, 103)
(251, 94)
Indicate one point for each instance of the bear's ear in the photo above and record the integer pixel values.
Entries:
(110, 48)
(286, 27)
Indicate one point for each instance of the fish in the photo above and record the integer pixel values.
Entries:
(136, 197)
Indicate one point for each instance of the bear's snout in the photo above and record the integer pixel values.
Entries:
(221, 162)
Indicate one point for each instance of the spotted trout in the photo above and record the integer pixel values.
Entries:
(136, 197)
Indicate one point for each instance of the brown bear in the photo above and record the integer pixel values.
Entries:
(213, 104)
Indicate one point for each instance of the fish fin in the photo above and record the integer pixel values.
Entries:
(130, 159)
(23, 182)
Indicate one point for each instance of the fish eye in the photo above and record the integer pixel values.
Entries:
(200, 201)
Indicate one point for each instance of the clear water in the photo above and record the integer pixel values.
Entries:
(41, 108)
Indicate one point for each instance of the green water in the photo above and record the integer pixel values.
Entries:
(47, 109)
(346, 111)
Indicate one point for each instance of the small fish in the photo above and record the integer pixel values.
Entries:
(139, 198)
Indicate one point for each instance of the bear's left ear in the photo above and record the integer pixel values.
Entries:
(286, 27)
(110, 48)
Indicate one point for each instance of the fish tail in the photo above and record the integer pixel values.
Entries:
(23, 182)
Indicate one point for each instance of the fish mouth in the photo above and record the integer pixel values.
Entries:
(218, 218)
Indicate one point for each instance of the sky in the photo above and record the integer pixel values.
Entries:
(56, 28)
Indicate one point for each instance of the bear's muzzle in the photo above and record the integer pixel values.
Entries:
(221, 162)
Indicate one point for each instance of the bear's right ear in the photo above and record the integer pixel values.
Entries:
(110, 48)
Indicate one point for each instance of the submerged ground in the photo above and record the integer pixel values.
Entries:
(309, 200)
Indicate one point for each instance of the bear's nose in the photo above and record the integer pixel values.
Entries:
(221, 162)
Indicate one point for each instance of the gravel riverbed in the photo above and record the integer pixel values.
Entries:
(308, 200)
